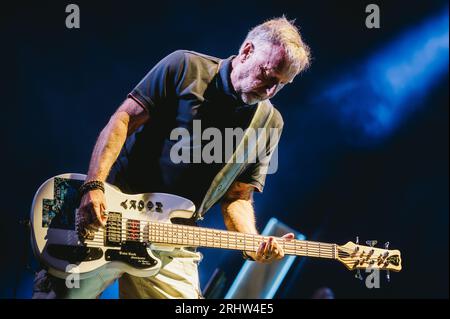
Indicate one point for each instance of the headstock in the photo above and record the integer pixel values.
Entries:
(355, 257)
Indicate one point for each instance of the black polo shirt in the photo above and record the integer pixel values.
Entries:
(183, 87)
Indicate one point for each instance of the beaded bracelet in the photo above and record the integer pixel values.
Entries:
(90, 186)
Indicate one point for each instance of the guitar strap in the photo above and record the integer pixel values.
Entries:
(246, 149)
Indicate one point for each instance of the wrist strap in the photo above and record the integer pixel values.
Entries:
(90, 186)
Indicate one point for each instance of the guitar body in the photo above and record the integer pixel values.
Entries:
(141, 225)
(122, 245)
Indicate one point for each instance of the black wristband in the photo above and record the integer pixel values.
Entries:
(246, 256)
(90, 186)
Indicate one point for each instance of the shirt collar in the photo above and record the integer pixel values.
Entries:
(224, 82)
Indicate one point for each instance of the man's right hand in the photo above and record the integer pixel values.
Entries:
(128, 117)
(92, 209)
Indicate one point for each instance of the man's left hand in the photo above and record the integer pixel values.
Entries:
(270, 250)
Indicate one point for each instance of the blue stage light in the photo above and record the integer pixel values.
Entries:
(376, 98)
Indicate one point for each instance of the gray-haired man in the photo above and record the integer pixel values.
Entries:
(133, 150)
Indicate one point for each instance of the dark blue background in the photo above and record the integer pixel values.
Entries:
(60, 86)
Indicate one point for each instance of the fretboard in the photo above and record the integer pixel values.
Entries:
(190, 236)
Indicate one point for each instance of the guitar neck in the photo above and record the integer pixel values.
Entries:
(190, 236)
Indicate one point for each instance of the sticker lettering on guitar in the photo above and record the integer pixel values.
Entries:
(60, 211)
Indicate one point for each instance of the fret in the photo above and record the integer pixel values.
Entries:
(216, 238)
(172, 234)
(241, 241)
(176, 234)
(211, 238)
(121, 228)
(150, 233)
(222, 245)
(179, 235)
(166, 233)
(197, 234)
(160, 232)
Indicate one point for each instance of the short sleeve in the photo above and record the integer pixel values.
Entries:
(267, 162)
(160, 83)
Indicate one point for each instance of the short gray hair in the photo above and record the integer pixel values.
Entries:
(281, 31)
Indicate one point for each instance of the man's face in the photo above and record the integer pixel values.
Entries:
(259, 74)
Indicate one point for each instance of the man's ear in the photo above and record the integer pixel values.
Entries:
(247, 51)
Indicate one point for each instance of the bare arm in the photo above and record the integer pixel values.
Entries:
(239, 215)
(128, 117)
(237, 208)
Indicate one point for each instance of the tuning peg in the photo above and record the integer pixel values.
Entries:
(357, 243)
(371, 243)
(386, 245)
(388, 276)
(358, 274)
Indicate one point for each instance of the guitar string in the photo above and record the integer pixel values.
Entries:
(209, 237)
(291, 251)
(219, 245)
(237, 247)
(153, 227)
(186, 240)
(308, 254)
(290, 248)
(167, 226)
(154, 230)
(350, 260)
(310, 251)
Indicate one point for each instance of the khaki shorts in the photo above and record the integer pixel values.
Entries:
(177, 279)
